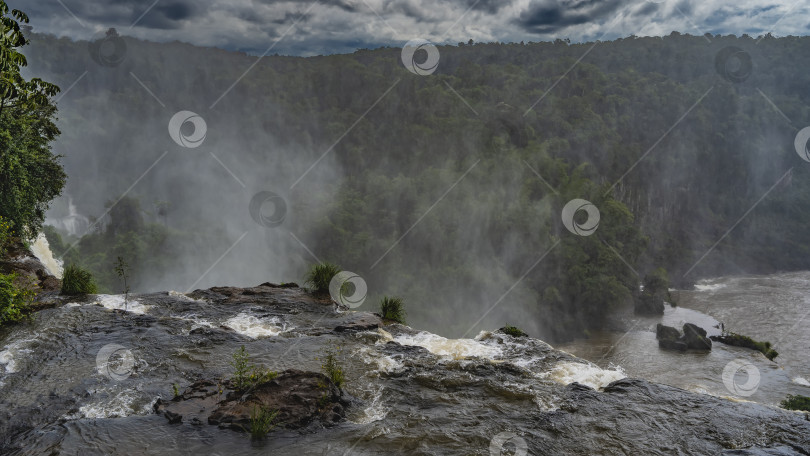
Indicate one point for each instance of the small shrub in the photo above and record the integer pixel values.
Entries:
(16, 297)
(393, 309)
(246, 375)
(5, 235)
(176, 390)
(122, 270)
(513, 331)
(262, 421)
(331, 367)
(796, 402)
(76, 280)
(319, 276)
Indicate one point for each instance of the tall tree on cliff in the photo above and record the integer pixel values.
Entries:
(30, 174)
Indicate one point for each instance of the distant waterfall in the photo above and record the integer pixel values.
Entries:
(74, 223)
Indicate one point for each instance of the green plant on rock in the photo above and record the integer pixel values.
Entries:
(796, 402)
(76, 280)
(262, 421)
(247, 375)
(122, 269)
(16, 297)
(319, 276)
(738, 340)
(331, 366)
(513, 331)
(393, 309)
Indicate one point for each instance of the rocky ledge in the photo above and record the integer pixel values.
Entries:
(300, 398)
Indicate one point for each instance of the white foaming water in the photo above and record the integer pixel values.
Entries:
(384, 363)
(8, 362)
(706, 286)
(122, 404)
(42, 251)
(567, 372)
(117, 302)
(374, 412)
(254, 327)
(11, 354)
(449, 348)
(801, 381)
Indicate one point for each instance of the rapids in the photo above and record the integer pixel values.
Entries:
(83, 376)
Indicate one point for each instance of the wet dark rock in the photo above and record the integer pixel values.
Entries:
(663, 332)
(669, 344)
(695, 337)
(280, 285)
(759, 451)
(693, 328)
(301, 398)
(360, 322)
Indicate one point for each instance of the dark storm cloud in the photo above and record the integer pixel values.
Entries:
(168, 16)
(548, 16)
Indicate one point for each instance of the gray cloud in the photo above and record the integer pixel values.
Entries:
(345, 25)
(548, 16)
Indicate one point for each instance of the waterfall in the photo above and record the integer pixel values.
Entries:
(74, 223)
(42, 251)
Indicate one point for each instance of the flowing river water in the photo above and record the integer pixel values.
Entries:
(773, 308)
(411, 392)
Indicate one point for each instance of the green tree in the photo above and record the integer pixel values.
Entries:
(30, 174)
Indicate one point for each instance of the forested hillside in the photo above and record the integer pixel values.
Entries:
(444, 189)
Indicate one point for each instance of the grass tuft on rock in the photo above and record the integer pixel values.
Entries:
(393, 309)
(246, 375)
(76, 281)
(796, 402)
(262, 421)
(331, 367)
(319, 276)
(513, 331)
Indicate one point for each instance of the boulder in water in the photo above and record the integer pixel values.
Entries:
(695, 337)
(669, 344)
(663, 332)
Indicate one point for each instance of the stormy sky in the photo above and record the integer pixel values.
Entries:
(306, 27)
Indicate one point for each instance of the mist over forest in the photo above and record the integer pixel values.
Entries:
(446, 190)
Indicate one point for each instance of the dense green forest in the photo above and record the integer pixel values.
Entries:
(444, 189)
